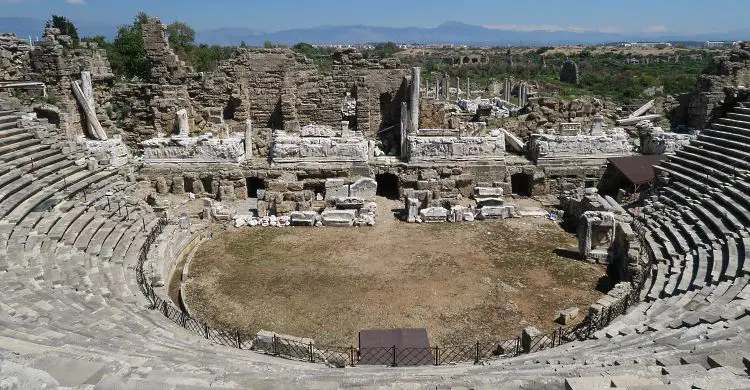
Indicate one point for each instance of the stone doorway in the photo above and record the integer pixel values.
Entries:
(388, 185)
(521, 184)
(253, 185)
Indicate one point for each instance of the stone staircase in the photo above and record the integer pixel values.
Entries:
(72, 314)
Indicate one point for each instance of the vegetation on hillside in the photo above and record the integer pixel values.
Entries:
(607, 75)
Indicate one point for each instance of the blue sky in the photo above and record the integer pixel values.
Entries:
(683, 16)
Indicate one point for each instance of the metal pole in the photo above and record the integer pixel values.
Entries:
(351, 356)
(476, 359)
(394, 356)
(312, 359)
(239, 341)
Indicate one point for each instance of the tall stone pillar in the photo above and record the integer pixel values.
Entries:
(468, 89)
(437, 88)
(248, 139)
(446, 87)
(405, 131)
(458, 88)
(507, 90)
(414, 101)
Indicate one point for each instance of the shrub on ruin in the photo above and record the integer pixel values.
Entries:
(127, 53)
(65, 26)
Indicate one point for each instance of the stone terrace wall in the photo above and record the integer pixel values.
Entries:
(57, 65)
(166, 67)
(14, 57)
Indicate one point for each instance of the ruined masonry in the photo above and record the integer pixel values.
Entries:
(86, 246)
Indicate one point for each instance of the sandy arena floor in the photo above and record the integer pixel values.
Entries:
(464, 282)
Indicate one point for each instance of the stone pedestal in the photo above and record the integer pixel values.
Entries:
(183, 126)
(412, 210)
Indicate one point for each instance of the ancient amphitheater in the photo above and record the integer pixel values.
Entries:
(87, 243)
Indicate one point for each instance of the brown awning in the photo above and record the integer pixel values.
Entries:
(402, 347)
(637, 169)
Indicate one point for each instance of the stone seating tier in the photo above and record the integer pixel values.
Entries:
(72, 309)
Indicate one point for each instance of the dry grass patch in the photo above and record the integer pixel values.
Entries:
(463, 282)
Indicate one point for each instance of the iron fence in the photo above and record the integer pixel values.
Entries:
(340, 356)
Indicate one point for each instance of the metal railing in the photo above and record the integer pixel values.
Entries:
(340, 356)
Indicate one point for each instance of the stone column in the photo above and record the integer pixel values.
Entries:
(248, 139)
(404, 131)
(88, 94)
(446, 87)
(458, 88)
(468, 89)
(414, 101)
(437, 88)
(182, 123)
(507, 90)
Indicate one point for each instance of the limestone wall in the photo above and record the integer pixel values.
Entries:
(275, 88)
(14, 57)
(549, 147)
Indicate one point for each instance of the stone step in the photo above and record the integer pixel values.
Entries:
(17, 146)
(734, 147)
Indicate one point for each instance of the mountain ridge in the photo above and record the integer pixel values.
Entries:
(447, 32)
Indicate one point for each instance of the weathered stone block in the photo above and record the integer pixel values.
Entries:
(484, 192)
(178, 185)
(349, 203)
(434, 214)
(226, 193)
(338, 217)
(161, 185)
(566, 316)
(364, 188)
(336, 188)
(303, 218)
(496, 212)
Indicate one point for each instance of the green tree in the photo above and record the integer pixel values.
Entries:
(100, 40)
(127, 54)
(65, 26)
(268, 45)
(385, 50)
(181, 38)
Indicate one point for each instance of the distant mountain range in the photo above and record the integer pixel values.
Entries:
(450, 32)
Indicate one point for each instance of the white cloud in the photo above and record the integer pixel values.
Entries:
(655, 29)
(76, 2)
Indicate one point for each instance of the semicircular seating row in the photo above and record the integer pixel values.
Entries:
(72, 314)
